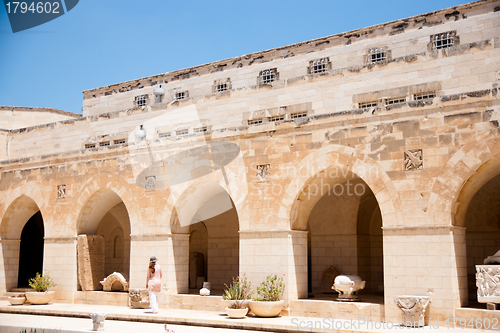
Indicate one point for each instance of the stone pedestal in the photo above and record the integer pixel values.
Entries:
(139, 299)
(91, 257)
(413, 308)
(98, 320)
(488, 283)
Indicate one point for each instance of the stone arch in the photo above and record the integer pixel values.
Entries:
(20, 204)
(351, 163)
(106, 184)
(463, 175)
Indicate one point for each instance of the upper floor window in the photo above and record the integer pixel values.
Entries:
(180, 94)
(221, 85)
(267, 76)
(425, 95)
(319, 66)
(141, 100)
(119, 141)
(365, 105)
(395, 100)
(377, 54)
(443, 40)
(201, 129)
(298, 115)
(104, 143)
(255, 121)
(277, 118)
(182, 132)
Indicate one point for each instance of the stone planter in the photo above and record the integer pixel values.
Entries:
(35, 297)
(17, 300)
(227, 303)
(236, 313)
(266, 309)
(413, 308)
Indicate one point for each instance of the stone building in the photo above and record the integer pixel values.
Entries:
(375, 151)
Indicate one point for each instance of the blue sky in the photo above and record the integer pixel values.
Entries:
(101, 42)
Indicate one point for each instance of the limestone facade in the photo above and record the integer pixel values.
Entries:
(366, 151)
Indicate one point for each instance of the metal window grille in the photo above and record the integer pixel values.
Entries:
(298, 115)
(377, 55)
(165, 135)
(141, 100)
(426, 95)
(254, 121)
(182, 132)
(365, 105)
(200, 129)
(119, 142)
(179, 94)
(319, 66)
(221, 86)
(442, 41)
(268, 76)
(277, 118)
(89, 145)
(104, 143)
(395, 100)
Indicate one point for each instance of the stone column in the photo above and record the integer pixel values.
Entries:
(9, 263)
(425, 261)
(59, 262)
(172, 251)
(263, 253)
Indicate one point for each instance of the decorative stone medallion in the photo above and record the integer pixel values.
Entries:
(150, 183)
(414, 159)
(263, 172)
(61, 191)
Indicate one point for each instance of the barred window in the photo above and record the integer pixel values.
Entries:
(119, 141)
(268, 76)
(298, 115)
(141, 100)
(104, 143)
(180, 94)
(277, 118)
(395, 100)
(200, 129)
(220, 86)
(365, 105)
(319, 66)
(89, 145)
(425, 95)
(182, 132)
(165, 135)
(441, 41)
(255, 121)
(376, 55)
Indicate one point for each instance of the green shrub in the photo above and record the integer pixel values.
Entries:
(41, 283)
(271, 289)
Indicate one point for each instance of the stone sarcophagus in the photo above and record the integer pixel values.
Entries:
(138, 298)
(488, 283)
(91, 258)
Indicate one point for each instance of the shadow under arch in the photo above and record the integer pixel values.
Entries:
(104, 213)
(207, 202)
(22, 236)
(336, 170)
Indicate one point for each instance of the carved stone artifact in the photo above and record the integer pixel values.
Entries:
(347, 286)
(413, 308)
(488, 283)
(115, 282)
(327, 280)
(138, 298)
(493, 260)
(90, 261)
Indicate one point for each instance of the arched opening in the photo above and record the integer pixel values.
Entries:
(482, 223)
(22, 232)
(104, 215)
(31, 250)
(207, 213)
(344, 224)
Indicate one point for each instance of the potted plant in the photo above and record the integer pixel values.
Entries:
(268, 302)
(41, 284)
(237, 295)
